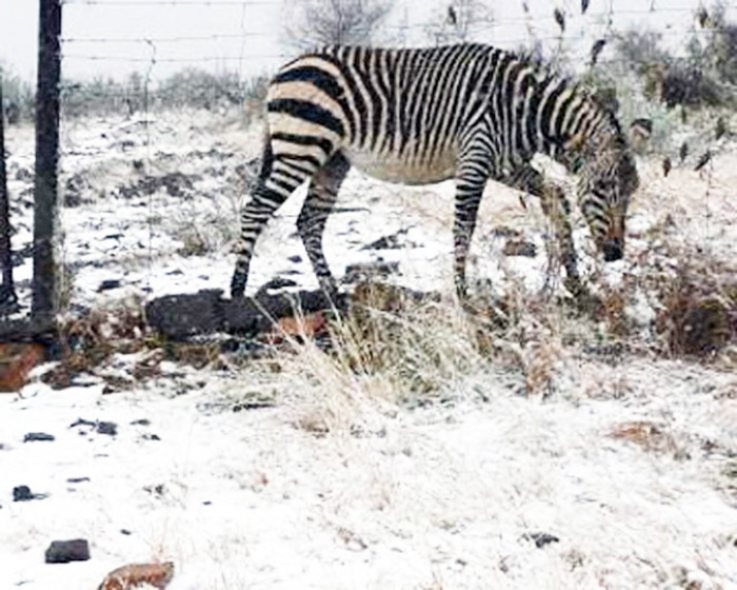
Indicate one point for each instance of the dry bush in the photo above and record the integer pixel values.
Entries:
(696, 296)
(417, 341)
(700, 313)
(393, 347)
(86, 343)
(692, 82)
(649, 437)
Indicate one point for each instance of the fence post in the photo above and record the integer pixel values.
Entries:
(47, 158)
(8, 298)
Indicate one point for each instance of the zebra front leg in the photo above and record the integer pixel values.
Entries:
(321, 197)
(556, 207)
(468, 198)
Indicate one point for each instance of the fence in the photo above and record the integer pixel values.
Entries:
(580, 36)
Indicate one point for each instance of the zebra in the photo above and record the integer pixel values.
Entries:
(418, 116)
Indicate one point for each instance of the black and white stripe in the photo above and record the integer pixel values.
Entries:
(417, 116)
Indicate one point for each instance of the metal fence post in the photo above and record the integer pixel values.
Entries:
(8, 297)
(47, 158)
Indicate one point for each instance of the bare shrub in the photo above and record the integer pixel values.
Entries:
(700, 312)
(689, 82)
(18, 97)
(328, 22)
(194, 87)
(684, 84)
(191, 87)
(719, 50)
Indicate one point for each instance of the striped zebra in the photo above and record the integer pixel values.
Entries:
(417, 116)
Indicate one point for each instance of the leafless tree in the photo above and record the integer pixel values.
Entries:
(455, 23)
(327, 22)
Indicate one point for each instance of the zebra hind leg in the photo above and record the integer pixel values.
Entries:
(254, 216)
(321, 197)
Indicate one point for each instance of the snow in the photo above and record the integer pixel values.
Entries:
(439, 496)
(341, 483)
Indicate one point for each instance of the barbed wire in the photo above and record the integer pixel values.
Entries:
(169, 2)
(541, 29)
(545, 24)
(213, 37)
(206, 59)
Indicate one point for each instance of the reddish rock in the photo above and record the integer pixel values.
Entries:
(130, 577)
(306, 326)
(16, 361)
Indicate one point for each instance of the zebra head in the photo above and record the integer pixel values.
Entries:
(606, 181)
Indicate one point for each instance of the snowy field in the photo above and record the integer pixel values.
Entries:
(568, 458)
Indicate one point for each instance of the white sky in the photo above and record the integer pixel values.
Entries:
(248, 36)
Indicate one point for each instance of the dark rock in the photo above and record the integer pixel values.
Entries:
(520, 248)
(157, 490)
(108, 285)
(502, 231)
(150, 437)
(257, 405)
(22, 494)
(540, 539)
(66, 551)
(78, 479)
(385, 243)
(109, 428)
(181, 316)
(82, 422)
(141, 422)
(38, 436)
(296, 259)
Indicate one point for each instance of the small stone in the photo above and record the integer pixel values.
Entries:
(541, 539)
(66, 551)
(38, 436)
(517, 247)
(22, 494)
(78, 479)
(108, 285)
(82, 422)
(109, 428)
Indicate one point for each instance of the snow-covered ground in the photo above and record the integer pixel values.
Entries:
(629, 466)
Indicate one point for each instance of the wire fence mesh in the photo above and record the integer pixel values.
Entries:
(138, 119)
